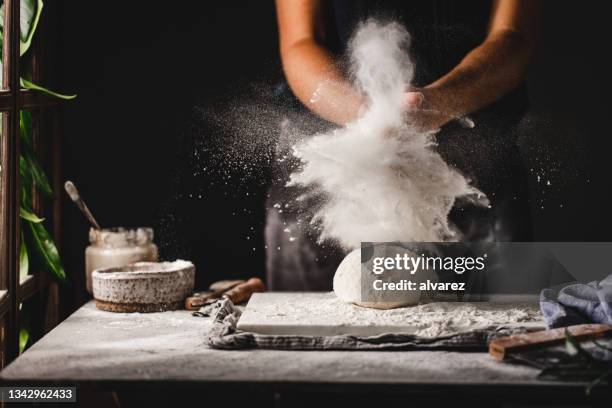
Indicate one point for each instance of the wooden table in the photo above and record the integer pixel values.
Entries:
(165, 352)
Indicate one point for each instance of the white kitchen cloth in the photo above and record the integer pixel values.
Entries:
(224, 335)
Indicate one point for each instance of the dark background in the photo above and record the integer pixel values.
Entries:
(140, 69)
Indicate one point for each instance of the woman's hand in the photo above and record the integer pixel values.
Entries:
(424, 112)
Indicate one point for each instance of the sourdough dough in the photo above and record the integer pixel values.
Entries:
(347, 285)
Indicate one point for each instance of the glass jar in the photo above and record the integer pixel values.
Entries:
(118, 247)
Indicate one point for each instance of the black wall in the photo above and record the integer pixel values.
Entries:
(139, 69)
(570, 87)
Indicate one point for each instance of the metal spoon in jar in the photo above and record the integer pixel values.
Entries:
(76, 197)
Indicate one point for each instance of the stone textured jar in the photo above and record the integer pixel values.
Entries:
(118, 247)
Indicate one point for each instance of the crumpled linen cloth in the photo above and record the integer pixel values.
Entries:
(224, 335)
(578, 303)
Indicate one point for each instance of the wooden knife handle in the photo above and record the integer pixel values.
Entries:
(215, 291)
(501, 348)
(243, 292)
(200, 299)
(225, 285)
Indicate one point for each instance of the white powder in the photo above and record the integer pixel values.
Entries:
(324, 311)
(380, 177)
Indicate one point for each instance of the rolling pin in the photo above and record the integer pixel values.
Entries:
(237, 291)
(215, 291)
(502, 348)
(242, 292)
(225, 285)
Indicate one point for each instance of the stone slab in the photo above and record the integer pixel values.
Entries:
(323, 314)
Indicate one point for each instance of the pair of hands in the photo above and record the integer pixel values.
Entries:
(425, 111)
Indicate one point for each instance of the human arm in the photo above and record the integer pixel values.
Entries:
(486, 73)
(310, 69)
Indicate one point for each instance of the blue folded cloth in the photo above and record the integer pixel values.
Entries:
(578, 303)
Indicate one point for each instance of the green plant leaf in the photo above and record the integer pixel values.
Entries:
(25, 127)
(573, 347)
(47, 251)
(24, 337)
(29, 15)
(36, 240)
(26, 193)
(31, 169)
(24, 259)
(602, 379)
(2, 21)
(30, 85)
(601, 346)
(26, 180)
(30, 216)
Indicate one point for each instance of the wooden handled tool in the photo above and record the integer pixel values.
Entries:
(76, 197)
(215, 291)
(237, 291)
(503, 347)
(243, 292)
(225, 285)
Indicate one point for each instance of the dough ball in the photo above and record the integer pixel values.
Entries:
(347, 285)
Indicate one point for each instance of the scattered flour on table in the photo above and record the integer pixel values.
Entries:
(428, 319)
(139, 331)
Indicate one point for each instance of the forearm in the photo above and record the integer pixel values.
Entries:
(318, 83)
(488, 72)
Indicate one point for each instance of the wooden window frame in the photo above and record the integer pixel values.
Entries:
(13, 290)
